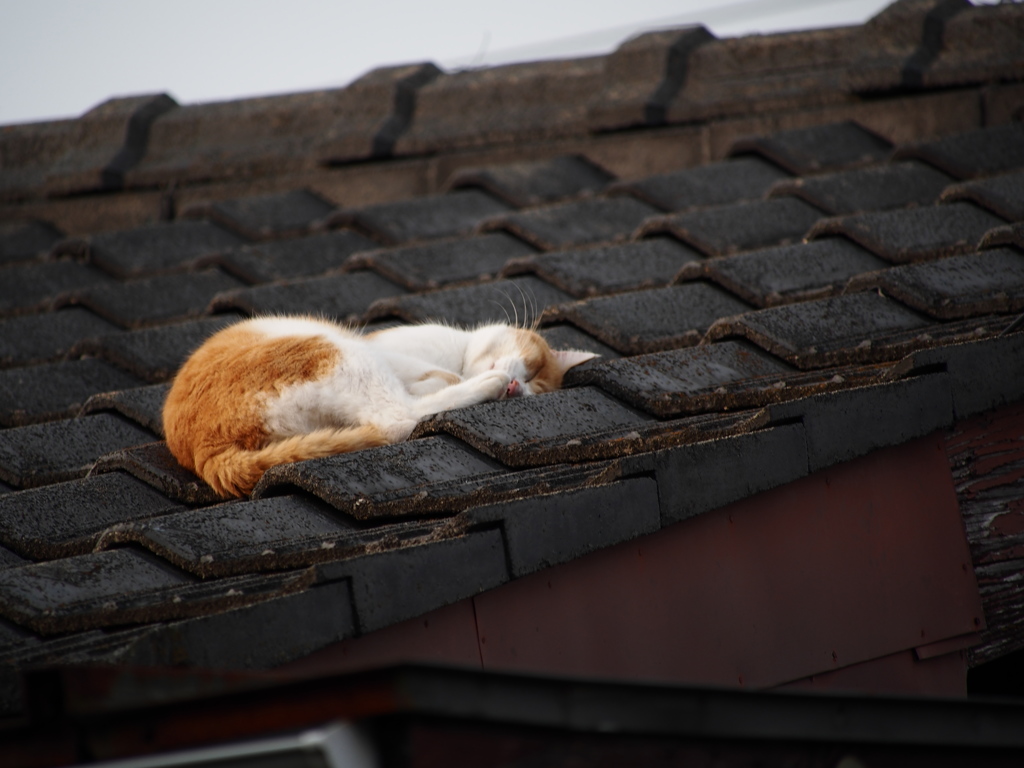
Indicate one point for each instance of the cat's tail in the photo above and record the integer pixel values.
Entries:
(234, 471)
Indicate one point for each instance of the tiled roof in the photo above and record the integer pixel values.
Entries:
(765, 238)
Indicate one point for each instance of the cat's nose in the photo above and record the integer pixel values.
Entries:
(513, 389)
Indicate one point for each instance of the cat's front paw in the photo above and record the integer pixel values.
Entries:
(490, 385)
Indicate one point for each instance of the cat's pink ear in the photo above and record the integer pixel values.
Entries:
(567, 358)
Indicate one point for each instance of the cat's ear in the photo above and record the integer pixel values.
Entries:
(568, 358)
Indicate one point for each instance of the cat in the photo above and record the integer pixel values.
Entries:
(274, 390)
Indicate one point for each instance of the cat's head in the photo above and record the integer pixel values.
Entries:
(524, 355)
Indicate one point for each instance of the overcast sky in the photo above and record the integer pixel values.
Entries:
(58, 58)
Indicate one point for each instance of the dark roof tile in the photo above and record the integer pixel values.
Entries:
(289, 259)
(521, 301)
(37, 286)
(155, 300)
(543, 532)
(55, 390)
(576, 223)
(982, 152)
(836, 429)
(608, 268)
(422, 218)
(728, 181)
(861, 327)
(1011, 234)
(899, 43)
(643, 75)
(153, 464)
(156, 248)
(343, 297)
(703, 476)
(143, 405)
(123, 586)
(565, 336)
(26, 240)
(769, 73)
(787, 273)
(511, 103)
(536, 182)
(1000, 361)
(63, 450)
(739, 227)
(262, 535)
(429, 476)
(979, 44)
(531, 431)
(443, 262)
(67, 518)
(652, 320)
(1003, 195)
(10, 560)
(989, 282)
(287, 214)
(878, 188)
(399, 584)
(831, 147)
(914, 234)
(48, 336)
(153, 354)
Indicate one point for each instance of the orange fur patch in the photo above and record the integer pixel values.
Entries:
(216, 402)
(541, 365)
(446, 376)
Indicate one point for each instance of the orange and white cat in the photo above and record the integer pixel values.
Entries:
(274, 390)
